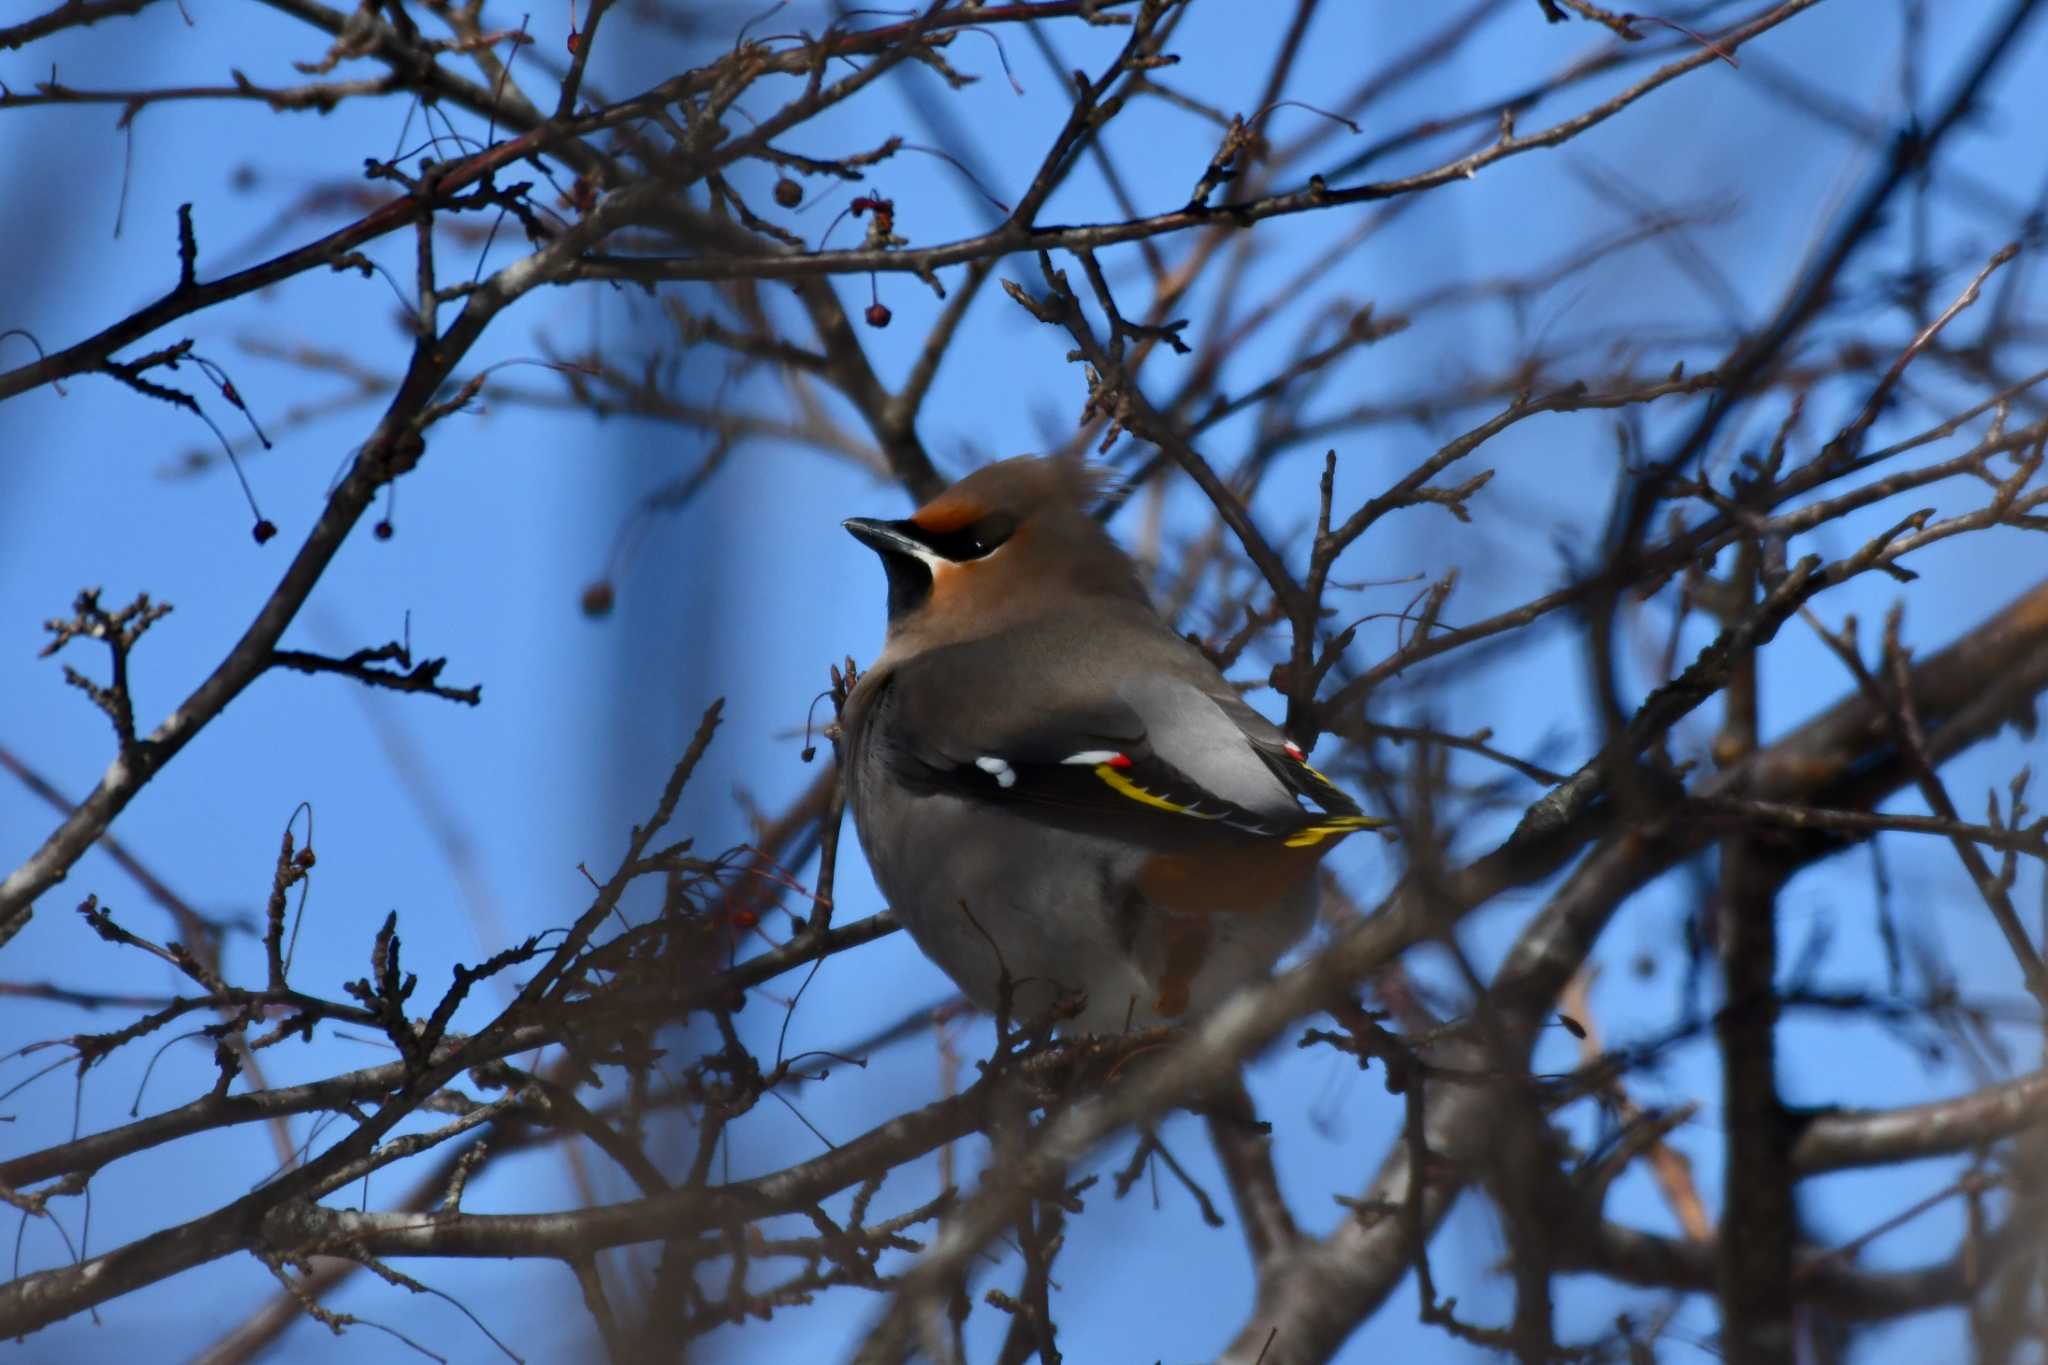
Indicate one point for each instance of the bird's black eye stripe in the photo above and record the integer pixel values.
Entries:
(973, 540)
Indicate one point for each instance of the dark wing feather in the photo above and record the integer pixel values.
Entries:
(1090, 768)
(1304, 781)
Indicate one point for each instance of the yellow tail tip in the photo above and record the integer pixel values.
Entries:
(1336, 827)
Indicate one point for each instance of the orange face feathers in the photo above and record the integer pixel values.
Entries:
(1011, 541)
(1022, 487)
(952, 510)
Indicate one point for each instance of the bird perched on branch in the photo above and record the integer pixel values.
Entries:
(1053, 785)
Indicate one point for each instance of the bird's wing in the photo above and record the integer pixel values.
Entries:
(1154, 760)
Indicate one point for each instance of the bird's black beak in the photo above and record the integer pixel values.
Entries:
(887, 538)
(904, 557)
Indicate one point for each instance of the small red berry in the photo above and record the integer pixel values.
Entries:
(597, 599)
(263, 530)
(788, 193)
(743, 919)
(575, 41)
(878, 315)
(382, 530)
(304, 860)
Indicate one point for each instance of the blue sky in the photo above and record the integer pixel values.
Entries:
(472, 824)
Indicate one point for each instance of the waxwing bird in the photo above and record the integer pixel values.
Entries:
(1053, 785)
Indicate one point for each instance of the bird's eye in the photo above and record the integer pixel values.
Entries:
(987, 535)
(975, 540)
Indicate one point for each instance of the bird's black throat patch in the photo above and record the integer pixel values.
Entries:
(910, 583)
